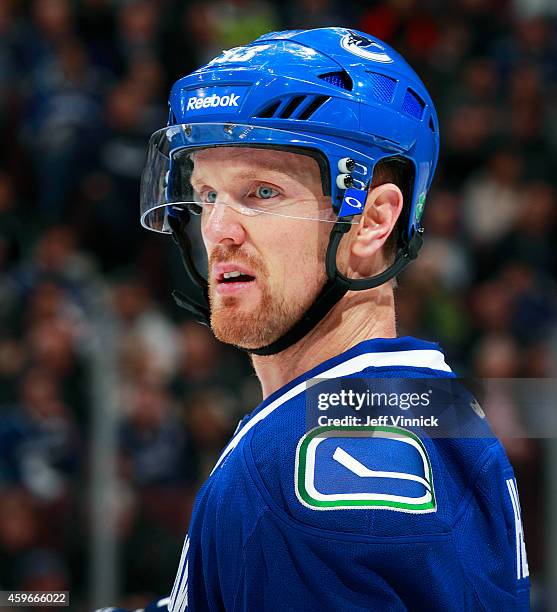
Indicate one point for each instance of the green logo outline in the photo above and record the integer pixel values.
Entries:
(309, 501)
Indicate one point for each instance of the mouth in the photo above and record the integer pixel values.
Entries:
(231, 279)
(235, 277)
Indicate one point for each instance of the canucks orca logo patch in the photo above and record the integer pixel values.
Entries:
(365, 47)
(364, 467)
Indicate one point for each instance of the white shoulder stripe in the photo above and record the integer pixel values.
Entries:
(424, 358)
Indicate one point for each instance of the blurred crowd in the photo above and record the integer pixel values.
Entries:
(83, 83)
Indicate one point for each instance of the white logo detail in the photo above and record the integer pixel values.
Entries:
(238, 54)
(353, 202)
(521, 560)
(352, 464)
(213, 101)
(364, 47)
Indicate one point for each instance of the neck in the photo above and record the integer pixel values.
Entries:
(359, 316)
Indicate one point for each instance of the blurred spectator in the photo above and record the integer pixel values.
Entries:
(11, 228)
(491, 199)
(530, 41)
(223, 24)
(156, 460)
(56, 259)
(39, 441)
(111, 228)
(11, 242)
(414, 27)
(317, 14)
(153, 442)
(534, 306)
(8, 65)
(529, 8)
(60, 129)
(42, 570)
(19, 531)
(498, 357)
(468, 129)
(51, 23)
(146, 335)
(529, 240)
(51, 347)
(200, 357)
(52, 18)
(491, 304)
(96, 24)
(12, 361)
(210, 416)
(445, 257)
(138, 22)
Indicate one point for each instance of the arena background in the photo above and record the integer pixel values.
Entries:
(113, 404)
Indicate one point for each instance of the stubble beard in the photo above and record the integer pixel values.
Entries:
(264, 322)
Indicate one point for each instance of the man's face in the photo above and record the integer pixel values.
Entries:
(280, 259)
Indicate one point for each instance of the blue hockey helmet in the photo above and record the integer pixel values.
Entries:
(342, 95)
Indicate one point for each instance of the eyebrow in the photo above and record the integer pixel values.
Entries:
(289, 170)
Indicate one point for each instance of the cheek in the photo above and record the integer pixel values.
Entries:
(298, 254)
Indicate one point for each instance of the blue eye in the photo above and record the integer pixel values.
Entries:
(210, 197)
(265, 192)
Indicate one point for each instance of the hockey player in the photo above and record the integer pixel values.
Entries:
(300, 164)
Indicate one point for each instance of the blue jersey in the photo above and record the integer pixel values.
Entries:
(290, 519)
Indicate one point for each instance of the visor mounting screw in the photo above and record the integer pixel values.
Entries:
(346, 165)
(344, 181)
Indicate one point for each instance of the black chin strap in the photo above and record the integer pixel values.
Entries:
(336, 286)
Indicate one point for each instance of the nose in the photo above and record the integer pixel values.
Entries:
(221, 224)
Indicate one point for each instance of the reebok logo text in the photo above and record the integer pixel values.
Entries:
(214, 101)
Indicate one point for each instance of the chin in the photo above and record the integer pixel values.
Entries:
(241, 330)
(250, 329)
(254, 321)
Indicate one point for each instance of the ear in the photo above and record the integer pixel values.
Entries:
(381, 212)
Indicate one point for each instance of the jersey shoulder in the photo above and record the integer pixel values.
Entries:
(375, 479)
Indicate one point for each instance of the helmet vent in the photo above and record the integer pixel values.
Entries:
(312, 107)
(269, 110)
(296, 107)
(291, 107)
(383, 87)
(413, 105)
(338, 79)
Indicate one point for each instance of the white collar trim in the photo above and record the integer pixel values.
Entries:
(421, 358)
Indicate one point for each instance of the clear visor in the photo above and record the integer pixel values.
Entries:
(269, 172)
